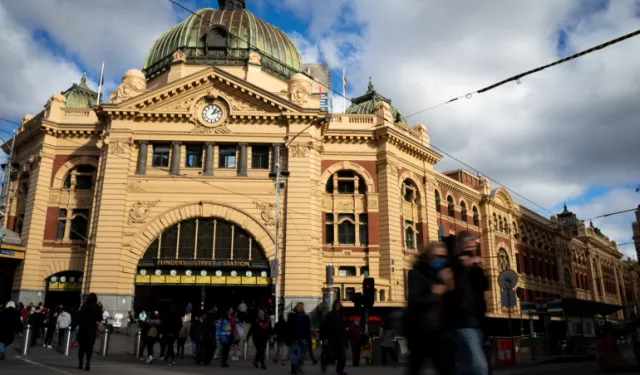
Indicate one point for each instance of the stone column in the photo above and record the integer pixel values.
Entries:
(175, 158)
(275, 151)
(143, 147)
(208, 159)
(242, 160)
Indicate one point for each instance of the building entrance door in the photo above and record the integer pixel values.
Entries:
(63, 289)
(205, 262)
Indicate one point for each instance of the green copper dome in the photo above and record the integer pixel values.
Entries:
(80, 95)
(365, 104)
(225, 37)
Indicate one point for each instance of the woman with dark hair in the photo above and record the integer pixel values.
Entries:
(88, 318)
(260, 330)
(430, 283)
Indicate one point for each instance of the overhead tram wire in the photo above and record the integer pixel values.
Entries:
(468, 95)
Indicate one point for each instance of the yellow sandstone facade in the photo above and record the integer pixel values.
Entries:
(172, 182)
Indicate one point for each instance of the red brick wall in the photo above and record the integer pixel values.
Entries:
(51, 223)
(374, 220)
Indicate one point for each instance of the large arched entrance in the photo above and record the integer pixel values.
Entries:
(204, 261)
(63, 289)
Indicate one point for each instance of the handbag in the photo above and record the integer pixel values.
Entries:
(100, 327)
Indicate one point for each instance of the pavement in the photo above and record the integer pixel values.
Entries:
(120, 360)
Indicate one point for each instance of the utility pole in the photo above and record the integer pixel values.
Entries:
(277, 224)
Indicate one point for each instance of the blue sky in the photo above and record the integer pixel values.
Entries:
(565, 135)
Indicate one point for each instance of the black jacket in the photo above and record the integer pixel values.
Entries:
(281, 330)
(10, 324)
(260, 330)
(425, 310)
(469, 305)
(298, 327)
(333, 328)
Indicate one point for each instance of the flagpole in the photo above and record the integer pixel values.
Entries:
(344, 91)
(100, 83)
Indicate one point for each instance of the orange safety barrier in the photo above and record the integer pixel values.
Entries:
(505, 355)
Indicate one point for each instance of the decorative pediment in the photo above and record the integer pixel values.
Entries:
(240, 98)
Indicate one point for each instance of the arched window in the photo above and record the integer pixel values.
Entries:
(410, 235)
(410, 191)
(205, 239)
(476, 216)
(346, 221)
(463, 211)
(346, 182)
(451, 207)
(438, 203)
(217, 38)
(80, 177)
(500, 224)
(567, 277)
(503, 260)
(496, 225)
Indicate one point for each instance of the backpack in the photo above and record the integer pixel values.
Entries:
(153, 332)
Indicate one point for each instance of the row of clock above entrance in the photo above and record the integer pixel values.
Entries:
(201, 155)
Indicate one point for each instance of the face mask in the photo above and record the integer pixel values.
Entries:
(438, 263)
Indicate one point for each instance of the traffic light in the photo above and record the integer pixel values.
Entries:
(368, 291)
(271, 304)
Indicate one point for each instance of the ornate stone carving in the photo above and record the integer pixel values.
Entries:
(240, 105)
(184, 105)
(119, 146)
(299, 151)
(220, 129)
(134, 187)
(254, 58)
(54, 198)
(344, 204)
(179, 57)
(372, 203)
(392, 169)
(327, 203)
(133, 84)
(140, 211)
(299, 91)
(267, 212)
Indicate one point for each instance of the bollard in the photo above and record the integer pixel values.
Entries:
(66, 348)
(26, 339)
(104, 343)
(137, 343)
(246, 348)
(266, 353)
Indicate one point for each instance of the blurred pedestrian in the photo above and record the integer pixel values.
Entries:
(333, 334)
(261, 330)
(88, 325)
(299, 332)
(10, 325)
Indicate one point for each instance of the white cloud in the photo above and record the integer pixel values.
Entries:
(29, 75)
(550, 138)
(616, 227)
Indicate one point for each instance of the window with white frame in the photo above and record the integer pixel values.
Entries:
(410, 235)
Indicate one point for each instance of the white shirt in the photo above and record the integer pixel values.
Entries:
(242, 307)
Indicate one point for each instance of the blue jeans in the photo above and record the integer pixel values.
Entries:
(298, 351)
(471, 359)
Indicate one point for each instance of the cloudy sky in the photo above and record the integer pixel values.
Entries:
(568, 134)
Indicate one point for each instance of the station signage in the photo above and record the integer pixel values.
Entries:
(203, 264)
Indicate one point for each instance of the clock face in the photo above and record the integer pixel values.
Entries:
(211, 113)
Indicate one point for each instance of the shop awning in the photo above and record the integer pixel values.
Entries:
(11, 245)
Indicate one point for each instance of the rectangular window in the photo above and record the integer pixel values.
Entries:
(346, 186)
(347, 271)
(349, 293)
(328, 227)
(160, 156)
(346, 229)
(194, 156)
(227, 157)
(79, 224)
(409, 235)
(259, 157)
(363, 228)
(62, 224)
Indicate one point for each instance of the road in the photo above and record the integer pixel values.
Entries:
(49, 362)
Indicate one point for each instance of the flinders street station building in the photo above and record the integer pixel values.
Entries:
(167, 193)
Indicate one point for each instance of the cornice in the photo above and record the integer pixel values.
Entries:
(407, 144)
(454, 186)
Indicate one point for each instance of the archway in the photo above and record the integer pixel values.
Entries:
(204, 261)
(63, 289)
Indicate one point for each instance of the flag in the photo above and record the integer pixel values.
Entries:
(344, 81)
